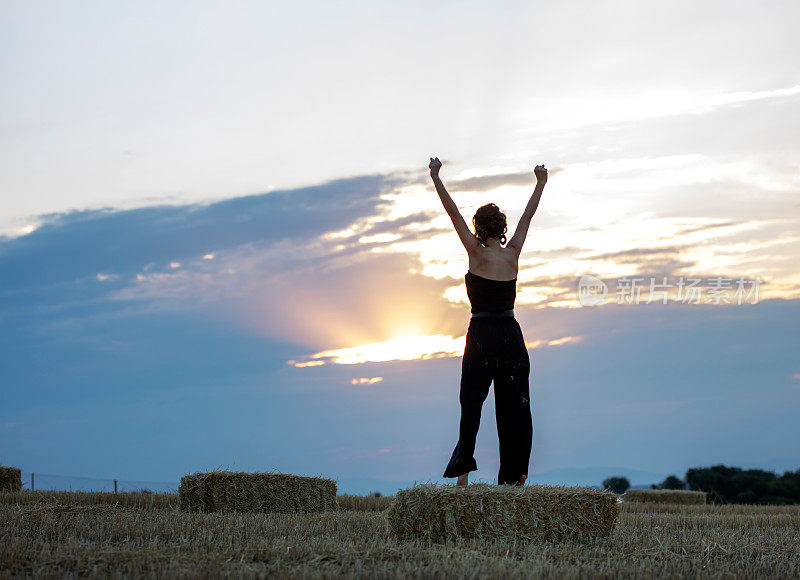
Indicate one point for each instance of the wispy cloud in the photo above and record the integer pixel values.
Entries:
(583, 111)
(366, 380)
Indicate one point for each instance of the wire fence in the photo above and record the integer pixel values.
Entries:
(52, 482)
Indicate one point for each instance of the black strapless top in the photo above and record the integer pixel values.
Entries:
(490, 295)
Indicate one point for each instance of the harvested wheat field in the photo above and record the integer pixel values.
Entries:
(664, 496)
(57, 534)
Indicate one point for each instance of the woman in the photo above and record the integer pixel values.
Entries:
(495, 349)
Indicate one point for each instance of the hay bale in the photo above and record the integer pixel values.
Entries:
(441, 513)
(10, 478)
(227, 491)
(362, 503)
(678, 496)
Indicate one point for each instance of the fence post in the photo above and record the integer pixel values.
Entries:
(115, 486)
(32, 488)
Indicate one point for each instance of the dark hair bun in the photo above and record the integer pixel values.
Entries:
(490, 222)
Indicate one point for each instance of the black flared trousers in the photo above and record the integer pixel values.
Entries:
(495, 350)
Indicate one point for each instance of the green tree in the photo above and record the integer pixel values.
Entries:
(784, 489)
(717, 479)
(672, 482)
(736, 485)
(617, 484)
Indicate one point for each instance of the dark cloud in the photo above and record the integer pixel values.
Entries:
(76, 244)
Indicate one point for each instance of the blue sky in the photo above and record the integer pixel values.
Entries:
(220, 245)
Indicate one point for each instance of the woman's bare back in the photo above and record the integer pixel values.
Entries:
(496, 263)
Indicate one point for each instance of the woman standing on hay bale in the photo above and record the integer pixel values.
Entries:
(495, 348)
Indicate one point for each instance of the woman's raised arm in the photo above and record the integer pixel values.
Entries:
(518, 239)
(465, 235)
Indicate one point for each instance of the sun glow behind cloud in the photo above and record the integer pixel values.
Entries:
(407, 348)
(396, 348)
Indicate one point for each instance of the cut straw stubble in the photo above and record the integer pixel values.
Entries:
(677, 496)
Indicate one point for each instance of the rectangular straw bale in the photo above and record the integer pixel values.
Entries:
(679, 496)
(10, 478)
(441, 513)
(227, 491)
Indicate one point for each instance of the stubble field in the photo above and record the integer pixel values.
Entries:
(66, 534)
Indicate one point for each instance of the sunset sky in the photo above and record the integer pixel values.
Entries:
(220, 246)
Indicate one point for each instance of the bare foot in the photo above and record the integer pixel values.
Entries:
(463, 479)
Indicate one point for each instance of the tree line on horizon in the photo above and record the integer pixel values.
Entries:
(725, 484)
